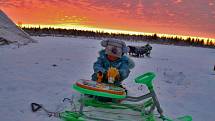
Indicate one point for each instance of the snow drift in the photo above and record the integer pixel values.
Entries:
(11, 33)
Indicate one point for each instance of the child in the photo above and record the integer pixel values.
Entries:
(112, 66)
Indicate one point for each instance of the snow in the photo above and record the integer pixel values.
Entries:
(43, 72)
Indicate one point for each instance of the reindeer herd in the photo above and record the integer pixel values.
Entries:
(140, 51)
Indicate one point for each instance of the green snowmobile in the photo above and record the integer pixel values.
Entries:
(114, 111)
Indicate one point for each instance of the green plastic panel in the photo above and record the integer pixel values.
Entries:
(146, 79)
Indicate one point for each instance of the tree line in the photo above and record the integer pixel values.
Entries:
(37, 31)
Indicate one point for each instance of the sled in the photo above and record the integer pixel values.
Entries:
(99, 89)
(143, 111)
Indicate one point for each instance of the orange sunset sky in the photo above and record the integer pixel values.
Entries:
(179, 17)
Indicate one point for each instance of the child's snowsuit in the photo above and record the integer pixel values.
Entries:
(123, 64)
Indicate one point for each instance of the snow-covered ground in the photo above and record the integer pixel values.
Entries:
(43, 72)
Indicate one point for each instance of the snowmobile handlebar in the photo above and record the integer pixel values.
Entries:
(146, 79)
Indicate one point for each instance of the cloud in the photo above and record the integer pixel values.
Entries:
(178, 1)
(121, 13)
(12, 3)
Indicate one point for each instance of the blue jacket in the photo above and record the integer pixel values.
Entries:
(123, 64)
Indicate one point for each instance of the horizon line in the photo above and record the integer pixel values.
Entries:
(116, 31)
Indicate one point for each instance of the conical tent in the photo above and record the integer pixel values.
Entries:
(10, 32)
